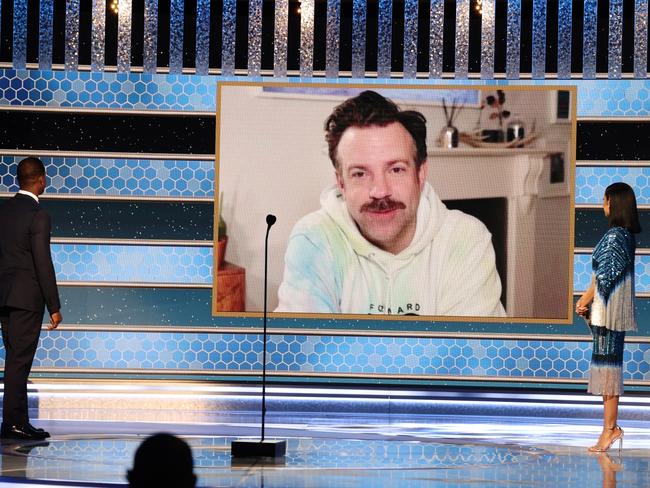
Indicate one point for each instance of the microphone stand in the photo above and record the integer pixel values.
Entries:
(263, 449)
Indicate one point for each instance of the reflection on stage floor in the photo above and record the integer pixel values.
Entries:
(349, 451)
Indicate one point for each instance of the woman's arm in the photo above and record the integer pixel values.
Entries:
(583, 303)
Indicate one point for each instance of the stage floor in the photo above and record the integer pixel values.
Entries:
(349, 451)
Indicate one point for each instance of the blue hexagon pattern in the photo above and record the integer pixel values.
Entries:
(147, 264)
(141, 91)
(326, 354)
(119, 177)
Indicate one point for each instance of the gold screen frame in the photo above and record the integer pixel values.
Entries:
(571, 126)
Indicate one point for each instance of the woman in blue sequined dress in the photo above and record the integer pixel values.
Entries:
(608, 305)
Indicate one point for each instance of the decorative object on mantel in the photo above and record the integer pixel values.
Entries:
(516, 130)
(448, 137)
(222, 234)
(498, 113)
(478, 140)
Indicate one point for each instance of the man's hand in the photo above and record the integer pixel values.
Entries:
(55, 320)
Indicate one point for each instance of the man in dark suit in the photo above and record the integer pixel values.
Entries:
(27, 285)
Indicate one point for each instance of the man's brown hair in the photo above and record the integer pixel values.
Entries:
(370, 108)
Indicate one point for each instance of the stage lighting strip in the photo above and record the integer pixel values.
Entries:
(280, 331)
(326, 374)
(193, 389)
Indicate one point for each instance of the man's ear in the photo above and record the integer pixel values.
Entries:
(423, 171)
(43, 181)
(339, 180)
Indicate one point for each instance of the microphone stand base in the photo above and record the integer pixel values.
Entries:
(255, 449)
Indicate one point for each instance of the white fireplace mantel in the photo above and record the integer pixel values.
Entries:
(538, 218)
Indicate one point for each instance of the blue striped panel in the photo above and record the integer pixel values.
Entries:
(124, 36)
(202, 62)
(615, 39)
(591, 183)
(124, 177)
(125, 264)
(539, 39)
(332, 38)
(20, 34)
(359, 15)
(228, 30)
(487, 40)
(641, 39)
(45, 34)
(254, 37)
(384, 38)
(306, 38)
(72, 8)
(176, 34)
(589, 38)
(150, 38)
(411, 18)
(98, 42)
(564, 28)
(436, 35)
(462, 39)
(294, 353)
(513, 47)
(280, 38)
(582, 273)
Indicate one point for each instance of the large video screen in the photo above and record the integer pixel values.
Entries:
(395, 202)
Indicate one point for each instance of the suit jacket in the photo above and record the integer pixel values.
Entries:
(27, 279)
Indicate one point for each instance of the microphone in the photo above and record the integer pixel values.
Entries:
(263, 448)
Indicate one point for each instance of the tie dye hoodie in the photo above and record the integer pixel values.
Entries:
(448, 268)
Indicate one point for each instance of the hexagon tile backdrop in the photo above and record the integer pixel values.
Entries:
(142, 305)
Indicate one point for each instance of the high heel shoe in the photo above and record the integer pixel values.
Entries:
(618, 437)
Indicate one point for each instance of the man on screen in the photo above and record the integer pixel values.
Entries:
(383, 242)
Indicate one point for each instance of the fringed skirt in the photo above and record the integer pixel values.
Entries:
(606, 370)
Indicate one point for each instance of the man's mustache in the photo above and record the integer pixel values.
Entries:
(382, 205)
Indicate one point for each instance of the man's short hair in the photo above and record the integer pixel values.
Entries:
(29, 170)
(164, 461)
(370, 108)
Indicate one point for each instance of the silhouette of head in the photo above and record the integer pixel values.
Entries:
(31, 175)
(162, 461)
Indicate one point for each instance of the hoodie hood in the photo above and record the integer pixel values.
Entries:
(429, 218)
